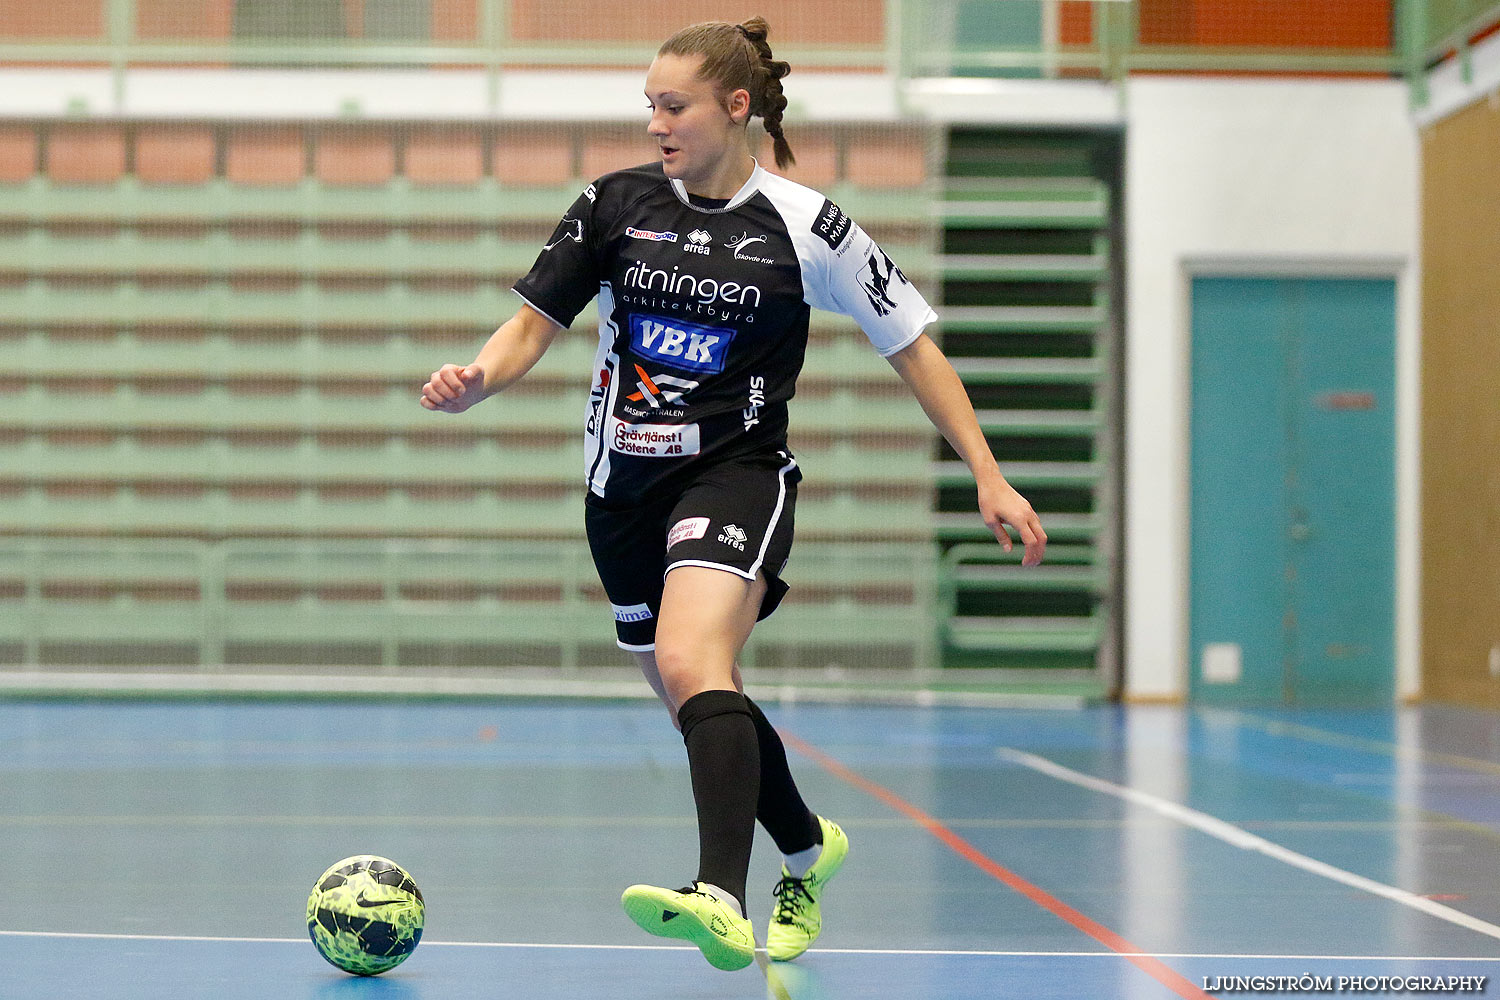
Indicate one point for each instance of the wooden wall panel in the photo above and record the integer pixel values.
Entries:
(1461, 406)
(52, 19)
(1075, 23)
(183, 18)
(857, 22)
(1351, 24)
(455, 20)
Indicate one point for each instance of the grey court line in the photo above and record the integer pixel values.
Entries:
(426, 943)
(867, 823)
(1245, 840)
(1327, 737)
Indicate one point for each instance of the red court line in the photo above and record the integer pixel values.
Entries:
(1154, 968)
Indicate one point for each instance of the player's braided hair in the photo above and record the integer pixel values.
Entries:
(737, 57)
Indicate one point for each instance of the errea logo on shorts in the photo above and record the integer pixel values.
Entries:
(733, 535)
(677, 343)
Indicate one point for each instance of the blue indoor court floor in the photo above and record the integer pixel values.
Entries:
(165, 850)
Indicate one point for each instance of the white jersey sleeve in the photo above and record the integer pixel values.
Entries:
(845, 271)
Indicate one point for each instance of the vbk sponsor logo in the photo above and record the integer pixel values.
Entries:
(733, 535)
(756, 399)
(631, 613)
(697, 242)
(743, 240)
(687, 528)
(655, 440)
(679, 344)
(646, 234)
(877, 286)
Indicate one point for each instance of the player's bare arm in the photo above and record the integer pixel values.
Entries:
(510, 353)
(924, 368)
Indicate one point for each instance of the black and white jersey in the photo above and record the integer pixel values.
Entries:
(703, 312)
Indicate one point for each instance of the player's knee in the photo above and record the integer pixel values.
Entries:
(677, 663)
(688, 665)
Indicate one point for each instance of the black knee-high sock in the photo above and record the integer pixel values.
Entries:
(724, 761)
(780, 808)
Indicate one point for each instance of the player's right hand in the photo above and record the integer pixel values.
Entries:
(454, 388)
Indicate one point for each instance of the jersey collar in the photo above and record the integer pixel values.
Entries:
(741, 196)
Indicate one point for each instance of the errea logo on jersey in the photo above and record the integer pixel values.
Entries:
(679, 344)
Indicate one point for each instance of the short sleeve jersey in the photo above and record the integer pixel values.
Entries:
(703, 315)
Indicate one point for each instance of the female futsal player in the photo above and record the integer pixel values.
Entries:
(705, 267)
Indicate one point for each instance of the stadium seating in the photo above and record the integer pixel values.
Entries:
(214, 340)
(215, 335)
(1025, 259)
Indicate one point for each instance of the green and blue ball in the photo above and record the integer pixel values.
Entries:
(365, 915)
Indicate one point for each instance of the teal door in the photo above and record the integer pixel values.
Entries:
(1293, 491)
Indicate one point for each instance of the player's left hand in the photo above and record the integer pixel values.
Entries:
(999, 505)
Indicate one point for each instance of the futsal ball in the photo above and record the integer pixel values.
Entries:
(365, 915)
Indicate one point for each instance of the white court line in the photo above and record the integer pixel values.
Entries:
(821, 951)
(1231, 834)
(150, 937)
(303, 940)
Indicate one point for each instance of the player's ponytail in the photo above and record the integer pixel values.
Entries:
(772, 102)
(737, 57)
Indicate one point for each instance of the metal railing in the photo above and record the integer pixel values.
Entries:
(1436, 30)
(402, 603)
(916, 38)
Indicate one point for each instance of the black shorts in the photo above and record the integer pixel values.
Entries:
(735, 516)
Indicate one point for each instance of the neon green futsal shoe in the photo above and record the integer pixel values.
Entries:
(725, 938)
(796, 921)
